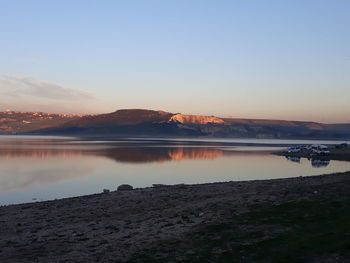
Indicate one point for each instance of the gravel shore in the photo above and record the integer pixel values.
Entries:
(149, 224)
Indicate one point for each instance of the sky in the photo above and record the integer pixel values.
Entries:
(267, 59)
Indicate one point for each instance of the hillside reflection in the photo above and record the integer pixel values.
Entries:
(146, 155)
(23, 168)
(123, 155)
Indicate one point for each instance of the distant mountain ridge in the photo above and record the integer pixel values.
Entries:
(142, 122)
(138, 116)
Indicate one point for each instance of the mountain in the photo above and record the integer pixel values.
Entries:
(141, 122)
(131, 122)
(122, 117)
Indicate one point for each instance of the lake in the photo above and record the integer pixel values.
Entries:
(34, 168)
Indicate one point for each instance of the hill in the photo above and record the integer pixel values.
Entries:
(141, 122)
(12, 122)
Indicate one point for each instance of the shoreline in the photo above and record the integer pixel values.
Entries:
(199, 140)
(145, 223)
(335, 154)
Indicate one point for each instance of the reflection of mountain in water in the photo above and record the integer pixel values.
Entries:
(25, 166)
(39, 153)
(143, 155)
(128, 154)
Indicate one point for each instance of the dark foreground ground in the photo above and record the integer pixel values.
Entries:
(305, 219)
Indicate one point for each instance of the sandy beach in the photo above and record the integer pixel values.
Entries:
(157, 224)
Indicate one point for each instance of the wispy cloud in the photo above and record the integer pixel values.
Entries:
(23, 86)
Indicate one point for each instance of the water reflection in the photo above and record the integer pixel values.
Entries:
(152, 154)
(316, 163)
(124, 155)
(56, 168)
(12, 153)
(294, 159)
(30, 173)
(22, 168)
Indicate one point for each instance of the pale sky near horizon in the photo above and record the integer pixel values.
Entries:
(245, 59)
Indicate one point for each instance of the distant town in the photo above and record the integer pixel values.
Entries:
(22, 121)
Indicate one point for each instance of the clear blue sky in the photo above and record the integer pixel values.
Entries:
(250, 59)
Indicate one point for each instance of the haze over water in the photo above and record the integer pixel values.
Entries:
(44, 168)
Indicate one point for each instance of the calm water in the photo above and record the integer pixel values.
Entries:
(43, 168)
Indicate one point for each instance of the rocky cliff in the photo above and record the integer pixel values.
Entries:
(195, 119)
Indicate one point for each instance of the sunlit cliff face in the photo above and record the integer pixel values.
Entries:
(195, 119)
